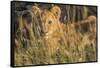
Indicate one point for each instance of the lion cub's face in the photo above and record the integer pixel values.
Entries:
(50, 20)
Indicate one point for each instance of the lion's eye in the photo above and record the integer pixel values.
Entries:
(49, 22)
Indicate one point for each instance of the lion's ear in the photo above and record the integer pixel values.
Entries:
(36, 10)
(92, 18)
(56, 11)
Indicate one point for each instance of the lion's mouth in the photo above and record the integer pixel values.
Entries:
(49, 33)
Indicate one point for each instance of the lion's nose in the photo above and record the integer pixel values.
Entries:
(43, 33)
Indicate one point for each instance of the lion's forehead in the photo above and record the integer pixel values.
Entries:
(48, 16)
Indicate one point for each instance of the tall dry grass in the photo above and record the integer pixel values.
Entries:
(66, 47)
